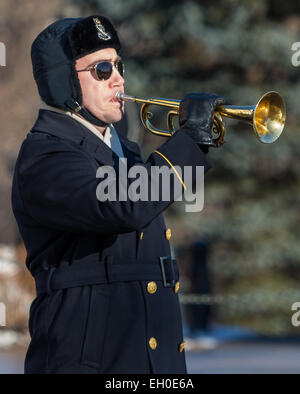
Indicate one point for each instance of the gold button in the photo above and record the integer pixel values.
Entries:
(168, 234)
(141, 236)
(181, 347)
(176, 288)
(153, 343)
(151, 287)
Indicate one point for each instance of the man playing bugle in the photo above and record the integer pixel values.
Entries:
(107, 286)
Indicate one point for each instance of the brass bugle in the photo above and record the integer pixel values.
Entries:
(267, 117)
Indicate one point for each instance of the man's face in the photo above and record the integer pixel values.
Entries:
(98, 96)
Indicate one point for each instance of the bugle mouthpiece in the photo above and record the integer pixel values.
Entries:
(120, 96)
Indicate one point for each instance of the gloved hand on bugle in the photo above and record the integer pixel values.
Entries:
(196, 112)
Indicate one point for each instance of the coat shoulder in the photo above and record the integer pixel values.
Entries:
(37, 146)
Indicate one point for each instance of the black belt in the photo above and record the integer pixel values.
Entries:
(99, 272)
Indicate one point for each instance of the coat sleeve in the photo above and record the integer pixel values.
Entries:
(58, 186)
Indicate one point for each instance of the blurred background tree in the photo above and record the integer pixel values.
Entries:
(238, 49)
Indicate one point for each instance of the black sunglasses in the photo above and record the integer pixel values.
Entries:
(103, 70)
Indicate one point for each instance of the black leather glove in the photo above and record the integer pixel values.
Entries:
(196, 116)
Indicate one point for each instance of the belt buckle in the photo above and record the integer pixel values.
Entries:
(163, 261)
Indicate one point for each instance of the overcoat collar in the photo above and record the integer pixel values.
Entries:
(65, 127)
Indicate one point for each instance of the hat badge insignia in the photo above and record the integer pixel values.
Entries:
(102, 34)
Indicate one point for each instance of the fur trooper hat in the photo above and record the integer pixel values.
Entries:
(55, 51)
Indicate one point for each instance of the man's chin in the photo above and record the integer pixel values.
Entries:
(116, 117)
(113, 117)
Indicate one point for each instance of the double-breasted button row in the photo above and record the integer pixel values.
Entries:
(152, 287)
(168, 234)
(153, 344)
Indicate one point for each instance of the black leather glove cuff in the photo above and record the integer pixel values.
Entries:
(199, 136)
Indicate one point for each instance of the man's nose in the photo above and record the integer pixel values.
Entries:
(117, 78)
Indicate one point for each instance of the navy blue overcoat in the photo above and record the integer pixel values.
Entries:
(107, 297)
